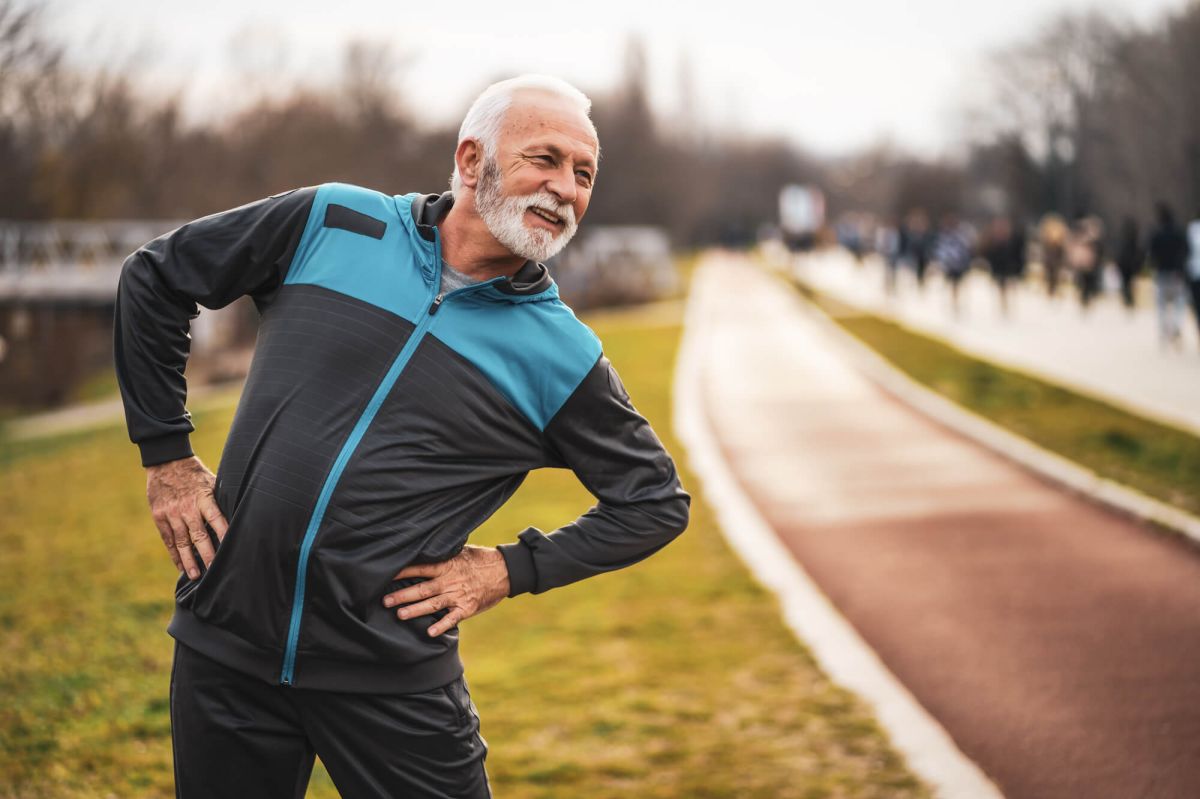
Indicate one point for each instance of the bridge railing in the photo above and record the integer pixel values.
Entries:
(67, 259)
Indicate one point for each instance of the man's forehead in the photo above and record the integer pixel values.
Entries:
(535, 114)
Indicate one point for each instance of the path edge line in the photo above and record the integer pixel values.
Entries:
(837, 647)
(110, 412)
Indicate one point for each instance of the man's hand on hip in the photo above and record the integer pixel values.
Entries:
(181, 500)
(469, 583)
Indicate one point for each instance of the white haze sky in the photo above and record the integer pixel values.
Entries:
(832, 76)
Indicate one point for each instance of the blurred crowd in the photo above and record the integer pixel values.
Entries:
(1054, 251)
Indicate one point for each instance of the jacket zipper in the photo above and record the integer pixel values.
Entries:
(287, 674)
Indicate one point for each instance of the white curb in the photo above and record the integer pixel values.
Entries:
(837, 647)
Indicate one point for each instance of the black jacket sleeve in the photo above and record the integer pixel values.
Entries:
(615, 453)
(211, 262)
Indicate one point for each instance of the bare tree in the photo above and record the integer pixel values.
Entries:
(31, 76)
(1043, 92)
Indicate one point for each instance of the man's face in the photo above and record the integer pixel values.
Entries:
(534, 193)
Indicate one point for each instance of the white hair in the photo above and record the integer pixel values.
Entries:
(486, 115)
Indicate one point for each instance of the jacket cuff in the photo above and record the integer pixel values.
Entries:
(161, 449)
(522, 574)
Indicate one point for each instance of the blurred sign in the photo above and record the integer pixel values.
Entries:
(801, 214)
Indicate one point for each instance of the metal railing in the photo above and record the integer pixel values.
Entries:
(70, 260)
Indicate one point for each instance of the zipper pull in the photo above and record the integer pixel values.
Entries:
(437, 303)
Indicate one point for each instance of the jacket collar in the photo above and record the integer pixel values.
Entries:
(531, 278)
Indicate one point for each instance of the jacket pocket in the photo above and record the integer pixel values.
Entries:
(350, 570)
(247, 589)
(456, 692)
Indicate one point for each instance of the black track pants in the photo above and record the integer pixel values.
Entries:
(237, 736)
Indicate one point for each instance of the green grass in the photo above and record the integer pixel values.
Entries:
(99, 386)
(1157, 459)
(673, 678)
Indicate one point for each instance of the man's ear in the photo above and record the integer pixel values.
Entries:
(469, 160)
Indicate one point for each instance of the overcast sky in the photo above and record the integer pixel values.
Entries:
(833, 76)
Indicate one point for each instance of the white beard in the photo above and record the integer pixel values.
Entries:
(505, 217)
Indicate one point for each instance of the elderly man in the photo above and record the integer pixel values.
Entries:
(414, 363)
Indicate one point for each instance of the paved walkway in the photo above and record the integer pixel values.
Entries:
(1107, 352)
(1058, 644)
(111, 411)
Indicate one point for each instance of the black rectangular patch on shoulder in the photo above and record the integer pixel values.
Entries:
(339, 216)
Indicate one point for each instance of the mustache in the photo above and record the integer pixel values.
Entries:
(544, 201)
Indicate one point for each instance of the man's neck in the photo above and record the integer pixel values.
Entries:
(470, 247)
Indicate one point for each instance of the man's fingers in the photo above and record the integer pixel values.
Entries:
(199, 537)
(413, 593)
(448, 621)
(168, 538)
(422, 608)
(183, 545)
(212, 513)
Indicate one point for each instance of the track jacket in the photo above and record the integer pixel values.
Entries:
(381, 422)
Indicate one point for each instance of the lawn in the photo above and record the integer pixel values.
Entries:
(1157, 459)
(673, 678)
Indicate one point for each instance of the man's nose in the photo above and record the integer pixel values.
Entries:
(562, 185)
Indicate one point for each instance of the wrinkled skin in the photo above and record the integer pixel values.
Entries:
(181, 500)
(469, 583)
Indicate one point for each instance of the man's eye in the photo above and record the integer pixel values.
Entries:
(546, 159)
(585, 176)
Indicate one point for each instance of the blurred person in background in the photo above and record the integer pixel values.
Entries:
(1168, 249)
(887, 244)
(850, 235)
(414, 363)
(1052, 239)
(916, 243)
(1193, 266)
(1004, 251)
(952, 250)
(1131, 256)
(1085, 254)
